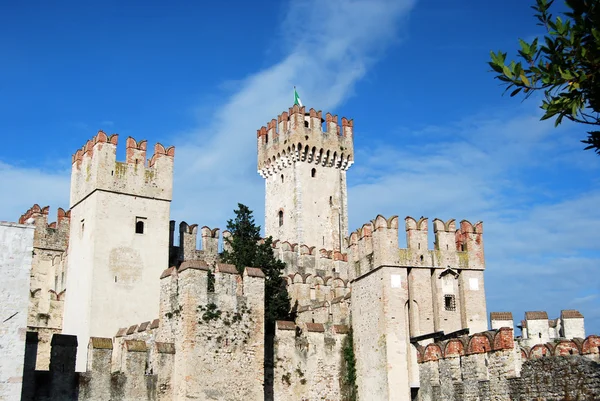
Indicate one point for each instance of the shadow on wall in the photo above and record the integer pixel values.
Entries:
(60, 383)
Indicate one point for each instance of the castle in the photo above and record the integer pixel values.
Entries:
(108, 306)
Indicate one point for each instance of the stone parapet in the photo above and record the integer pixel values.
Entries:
(95, 168)
(308, 361)
(298, 136)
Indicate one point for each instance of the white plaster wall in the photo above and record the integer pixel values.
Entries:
(573, 328)
(496, 324)
(16, 247)
(113, 274)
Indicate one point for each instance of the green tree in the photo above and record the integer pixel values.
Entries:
(565, 66)
(247, 249)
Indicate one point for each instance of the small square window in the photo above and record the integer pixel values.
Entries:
(449, 302)
(140, 223)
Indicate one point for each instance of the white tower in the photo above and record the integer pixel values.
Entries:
(119, 238)
(304, 168)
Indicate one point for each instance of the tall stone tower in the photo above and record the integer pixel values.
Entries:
(304, 168)
(119, 237)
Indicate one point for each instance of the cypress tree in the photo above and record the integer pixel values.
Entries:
(247, 250)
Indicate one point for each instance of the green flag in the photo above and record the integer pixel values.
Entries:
(297, 98)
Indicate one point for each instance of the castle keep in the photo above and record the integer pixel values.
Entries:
(116, 309)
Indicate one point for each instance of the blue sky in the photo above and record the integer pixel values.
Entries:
(434, 135)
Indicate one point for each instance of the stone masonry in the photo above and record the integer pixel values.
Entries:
(149, 318)
(16, 246)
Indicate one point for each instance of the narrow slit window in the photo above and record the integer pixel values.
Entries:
(313, 173)
(140, 223)
(282, 178)
(280, 218)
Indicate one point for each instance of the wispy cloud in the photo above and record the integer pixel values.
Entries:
(327, 51)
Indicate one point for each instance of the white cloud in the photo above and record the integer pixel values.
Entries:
(540, 241)
(328, 47)
(24, 186)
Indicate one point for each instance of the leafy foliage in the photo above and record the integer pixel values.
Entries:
(565, 65)
(349, 388)
(247, 249)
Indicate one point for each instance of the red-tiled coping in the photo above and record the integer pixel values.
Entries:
(340, 329)
(254, 272)
(167, 272)
(131, 329)
(136, 346)
(501, 316)
(285, 325)
(143, 326)
(194, 264)
(101, 343)
(165, 348)
(226, 268)
(154, 324)
(536, 315)
(315, 327)
(570, 314)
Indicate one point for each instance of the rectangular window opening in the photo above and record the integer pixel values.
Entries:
(449, 302)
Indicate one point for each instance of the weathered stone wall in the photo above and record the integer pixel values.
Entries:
(222, 332)
(48, 277)
(557, 378)
(16, 246)
(491, 366)
(446, 284)
(188, 248)
(119, 237)
(381, 334)
(304, 168)
(308, 361)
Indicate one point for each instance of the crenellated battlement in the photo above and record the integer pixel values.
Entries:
(53, 236)
(304, 259)
(187, 249)
(95, 168)
(298, 136)
(376, 243)
(491, 363)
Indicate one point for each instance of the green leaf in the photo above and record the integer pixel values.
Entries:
(513, 93)
(525, 80)
(507, 72)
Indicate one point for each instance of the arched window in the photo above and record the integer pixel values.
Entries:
(280, 218)
(306, 123)
(139, 225)
(313, 173)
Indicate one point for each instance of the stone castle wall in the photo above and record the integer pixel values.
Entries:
(48, 276)
(221, 331)
(492, 366)
(119, 238)
(16, 246)
(304, 167)
(308, 361)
